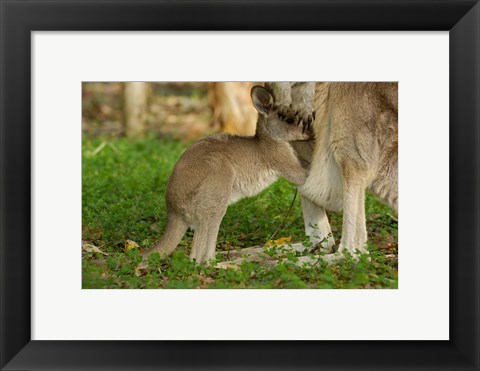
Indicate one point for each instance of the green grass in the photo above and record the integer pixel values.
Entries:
(123, 198)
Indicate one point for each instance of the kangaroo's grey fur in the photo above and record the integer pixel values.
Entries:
(221, 169)
(356, 148)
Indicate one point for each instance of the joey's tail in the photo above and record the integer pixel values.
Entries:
(174, 232)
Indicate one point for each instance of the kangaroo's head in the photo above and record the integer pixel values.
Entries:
(269, 125)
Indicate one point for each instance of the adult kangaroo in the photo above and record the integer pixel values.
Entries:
(356, 149)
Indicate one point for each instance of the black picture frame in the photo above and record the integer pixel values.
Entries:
(18, 18)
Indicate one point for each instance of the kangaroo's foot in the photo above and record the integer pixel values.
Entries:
(304, 115)
(326, 244)
(285, 112)
(355, 250)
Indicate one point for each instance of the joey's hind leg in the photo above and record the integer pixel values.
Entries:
(199, 242)
(210, 206)
(209, 217)
(211, 242)
(317, 227)
(205, 240)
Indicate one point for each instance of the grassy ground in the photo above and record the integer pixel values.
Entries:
(123, 203)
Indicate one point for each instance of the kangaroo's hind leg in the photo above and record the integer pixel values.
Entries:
(205, 239)
(317, 227)
(210, 206)
(354, 231)
(361, 229)
(199, 242)
(211, 242)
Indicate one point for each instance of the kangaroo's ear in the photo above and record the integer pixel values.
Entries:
(262, 99)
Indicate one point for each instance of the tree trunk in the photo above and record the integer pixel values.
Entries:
(134, 108)
(232, 107)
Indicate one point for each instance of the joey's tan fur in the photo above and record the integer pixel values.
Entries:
(356, 148)
(221, 169)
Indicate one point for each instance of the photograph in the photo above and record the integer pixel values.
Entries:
(239, 185)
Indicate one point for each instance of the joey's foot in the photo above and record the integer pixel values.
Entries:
(203, 258)
(145, 255)
(152, 250)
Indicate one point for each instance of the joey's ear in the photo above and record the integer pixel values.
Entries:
(262, 99)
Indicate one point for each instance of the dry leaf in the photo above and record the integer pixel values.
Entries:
(130, 245)
(207, 280)
(226, 265)
(88, 247)
(281, 241)
(141, 269)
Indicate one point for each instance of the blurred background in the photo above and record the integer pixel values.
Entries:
(174, 110)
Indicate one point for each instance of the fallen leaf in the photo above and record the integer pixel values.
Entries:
(88, 247)
(141, 269)
(207, 280)
(281, 241)
(130, 245)
(227, 265)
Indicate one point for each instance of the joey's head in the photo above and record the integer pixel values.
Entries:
(269, 124)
